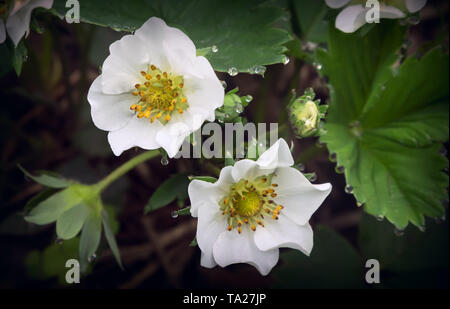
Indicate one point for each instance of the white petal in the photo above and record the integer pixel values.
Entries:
(118, 76)
(390, 12)
(211, 223)
(138, 132)
(335, 4)
(278, 155)
(246, 169)
(109, 112)
(415, 5)
(351, 18)
(18, 23)
(159, 36)
(232, 248)
(201, 192)
(299, 197)
(284, 233)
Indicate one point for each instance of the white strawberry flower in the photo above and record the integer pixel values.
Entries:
(154, 91)
(15, 18)
(353, 16)
(253, 209)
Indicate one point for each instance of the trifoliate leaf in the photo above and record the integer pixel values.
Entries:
(384, 121)
(110, 237)
(71, 221)
(48, 179)
(240, 32)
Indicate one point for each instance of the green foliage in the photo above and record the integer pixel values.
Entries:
(47, 179)
(310, 17)
(173, 188)
(385, 122)
(20, 55)
(204, 178)
(233, 107)
(109, 234)
(333, 263)
(241, 30)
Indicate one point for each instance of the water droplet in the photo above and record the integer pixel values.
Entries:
(220, 120)
(59, 241)
(339, 169)
(422, 228)
(259, 69)
(92, 258)
(359, 204)
(214, 49)
(248, 98)
(174, 214)
(313, 177)
(348, 189)
(333, 157)
(239, 108)
(399, 232)
(301, 167)
(380, 217)
(413, 20)
(164, 161)
(227, 115)
(232, 71)
(224, 84)
(286, 60)
(318, 66)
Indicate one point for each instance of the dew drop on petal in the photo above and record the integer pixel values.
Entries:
(232, 71)
(92, 258)
(348, 189)
(339, 169)
(174, 214)
(164, 161)
(399, 232)
(214, 49)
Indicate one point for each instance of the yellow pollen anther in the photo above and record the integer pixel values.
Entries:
(143, 73)
(271, 191)
(152, 67)
(239, 230)
(275, 217)
(274, 185)
(181, 85)
(280, 206)
(167, 118)
(148, 77)
(147, 84)
(158, 115)
(180, 111)
(263, 180)
(273, 195)
(135, 93)
(140, 115)
(137, 86)
(226, 200)
(183, 100)
(253, 227)
(147, 113)
(138, 108)
(142, 93)
(229, 228)
(173, 101)
(133, 107)
(171, 108)
(276, 212)
(245, 220)
(152, 119)
(158, 77)
(165, 74)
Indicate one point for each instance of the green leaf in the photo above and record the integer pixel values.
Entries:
(48, 179)
(203, 178)
(90, 237)
(5, 60)
(173, 188)
(333, 263)
(71, 221)
(241, 30)
(38, 198)
(385, 120)
(19, 56)
(310, 16)
(50, 209)
(110, 238)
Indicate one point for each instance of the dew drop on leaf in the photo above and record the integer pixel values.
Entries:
(248, 98)
(333, 157)
(339, 169)
(224, 84)
(301, 167)
(399, 232)
(313, 177)
(239, 108)
(214, 49)
(286, 60)
(174, 214)
(348, 189)
(92, 258)
(380, 217)
(232, 71)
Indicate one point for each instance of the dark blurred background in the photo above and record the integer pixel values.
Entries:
(45, 124)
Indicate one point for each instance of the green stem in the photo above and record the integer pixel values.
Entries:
(125, 168)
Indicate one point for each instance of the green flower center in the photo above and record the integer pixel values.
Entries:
(249, 202)
(160, 96)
